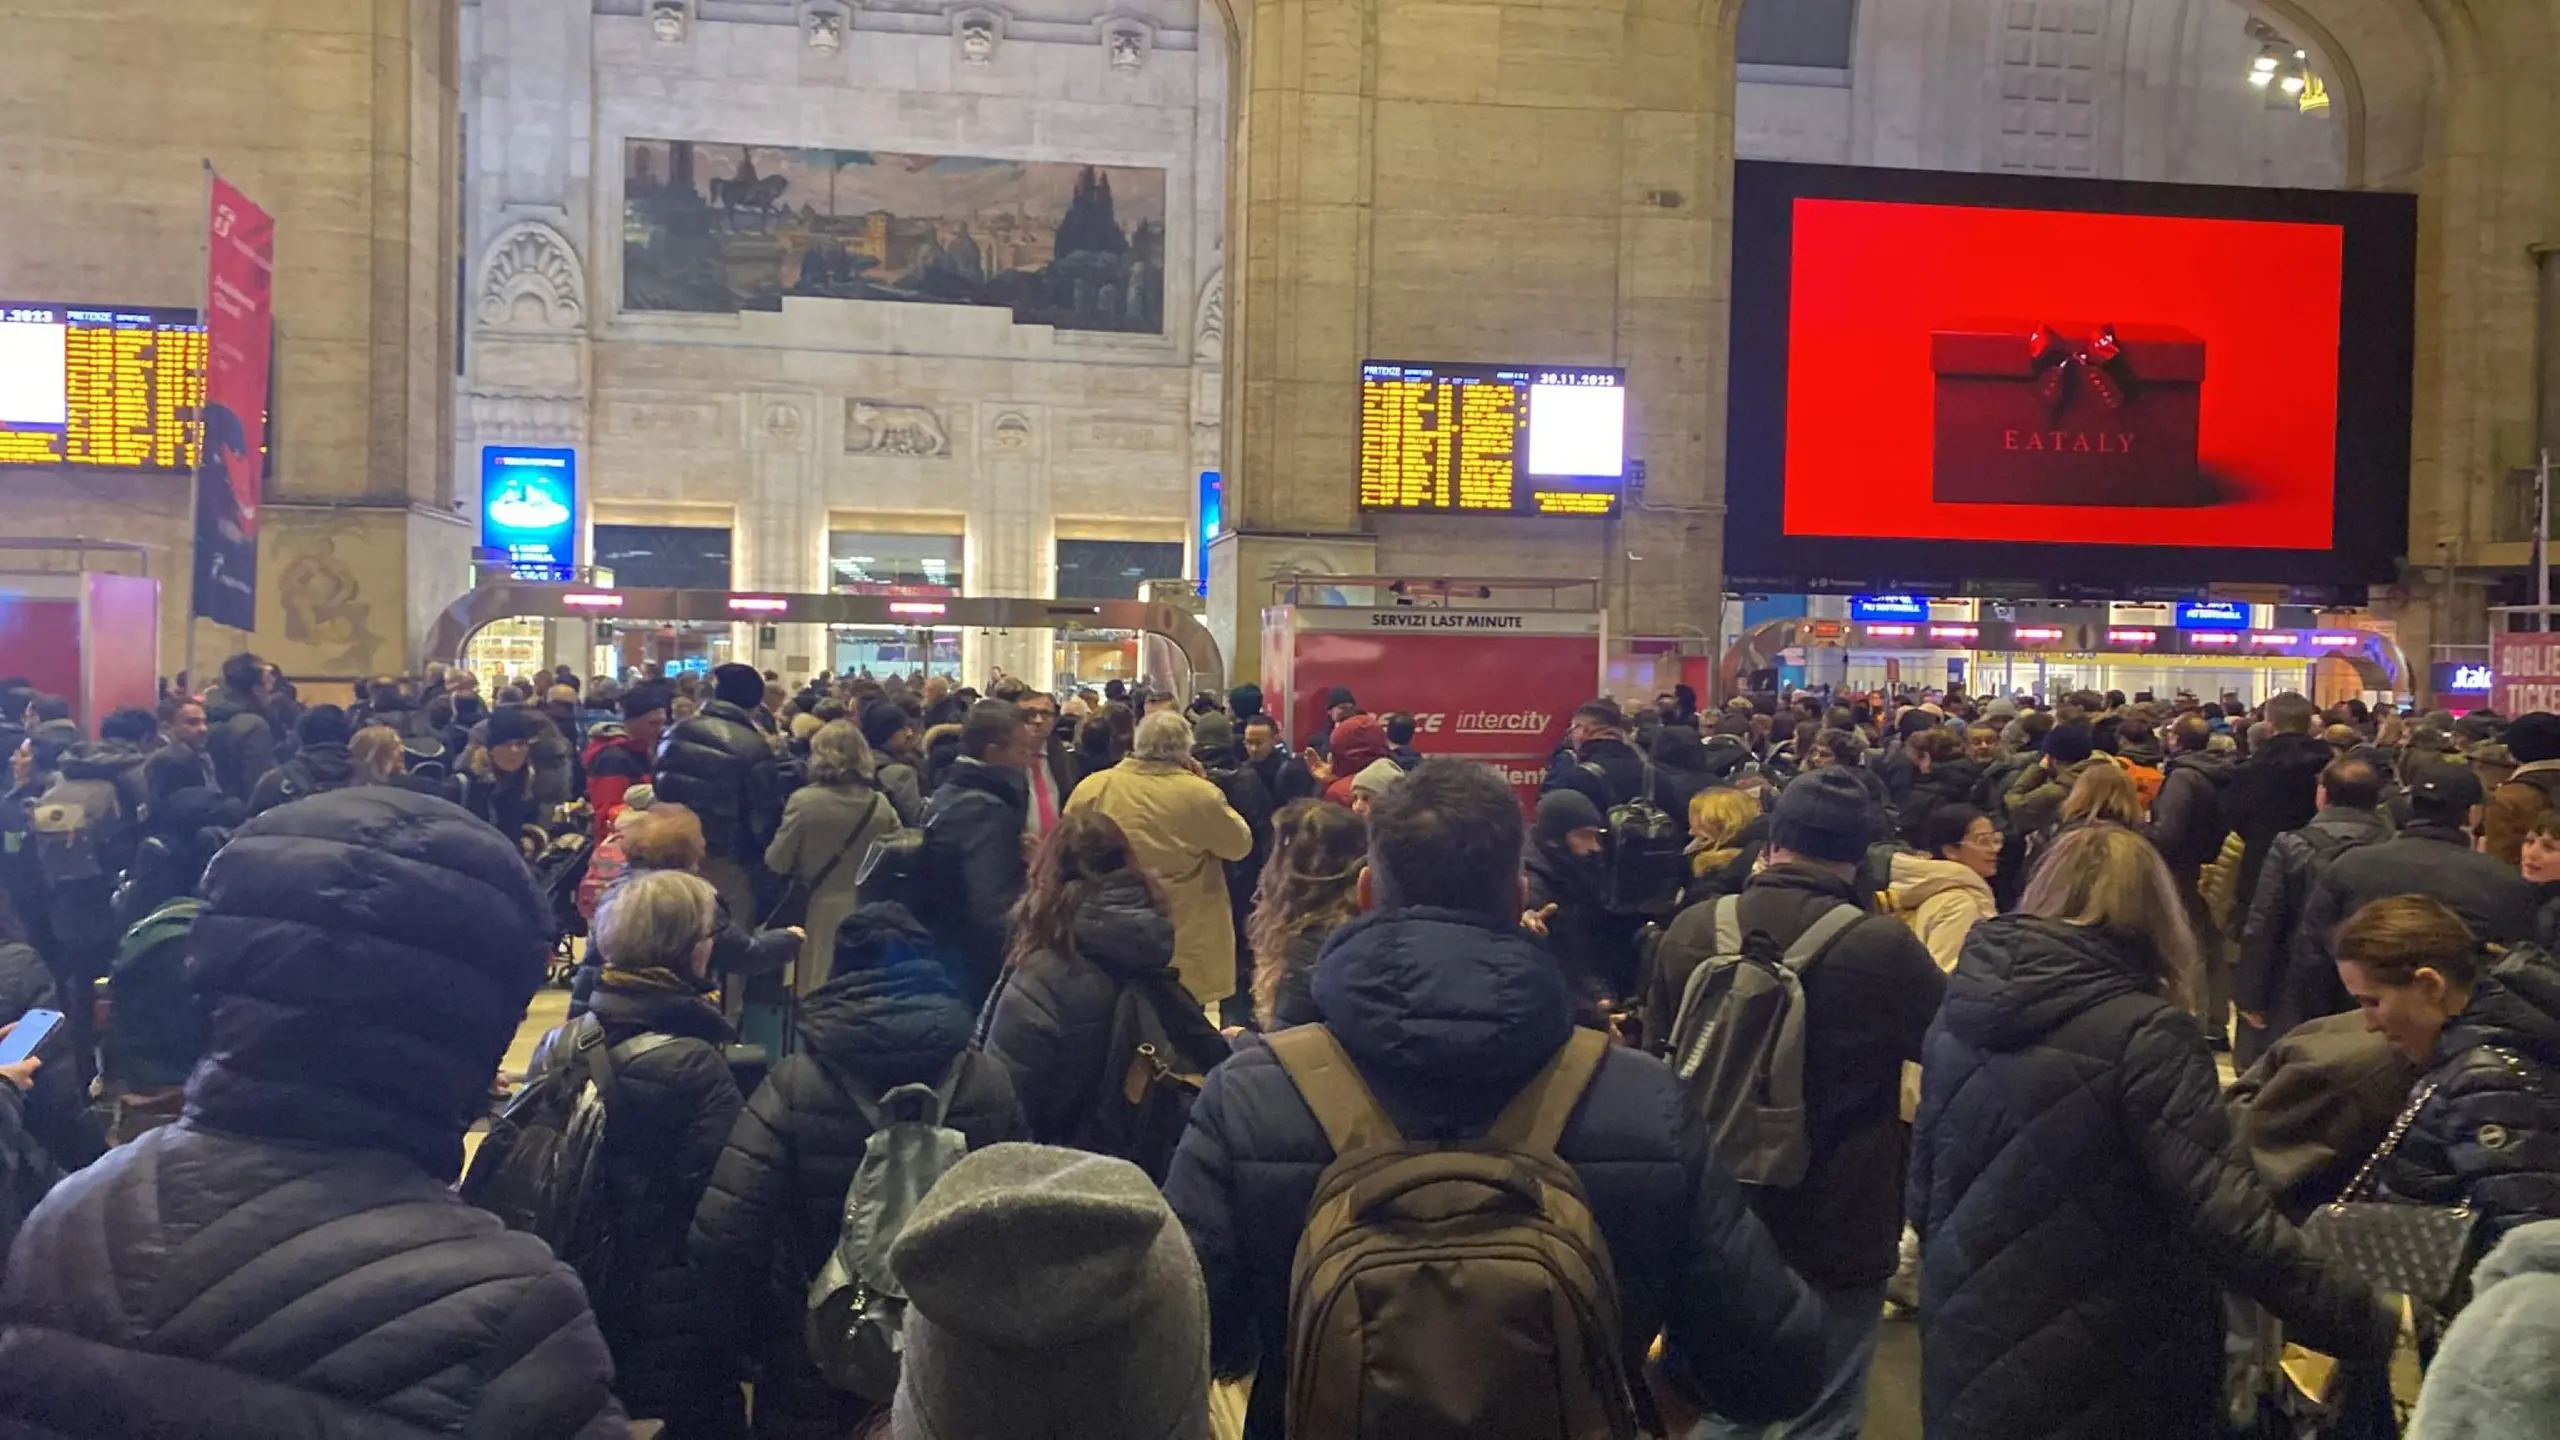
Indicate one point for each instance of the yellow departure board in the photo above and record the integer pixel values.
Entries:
(106, 387)
(1462, 439)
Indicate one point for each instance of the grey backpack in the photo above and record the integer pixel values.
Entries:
(857, 1308)
(1737, 1043)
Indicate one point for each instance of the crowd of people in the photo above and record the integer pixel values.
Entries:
(1131, 1067)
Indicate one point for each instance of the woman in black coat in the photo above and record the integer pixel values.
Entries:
(1089, 928)
(673, 1105)
(2079, 1203)
(2488, 1132)
(888, 1016)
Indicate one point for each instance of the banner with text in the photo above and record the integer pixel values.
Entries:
(1497, 687)
(2525, 673)
(239, 330)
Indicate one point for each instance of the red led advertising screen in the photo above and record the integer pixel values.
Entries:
(1951, 378)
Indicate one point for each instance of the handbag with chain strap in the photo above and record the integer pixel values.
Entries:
(2415, 1250)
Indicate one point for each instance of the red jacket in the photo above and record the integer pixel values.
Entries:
(615, 762)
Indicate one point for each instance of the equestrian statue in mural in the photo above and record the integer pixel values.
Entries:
(747, 190)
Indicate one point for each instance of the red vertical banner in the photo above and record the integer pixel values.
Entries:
(231, 460)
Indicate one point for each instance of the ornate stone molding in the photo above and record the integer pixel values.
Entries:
(1127, 40)
(1209, 334)
(825, 24)
(530, 280)
(671, 20)
(978, 30)
(526, 419)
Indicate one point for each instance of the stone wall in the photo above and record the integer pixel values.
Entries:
(2117, 89)
(334, 116)
(783, 422)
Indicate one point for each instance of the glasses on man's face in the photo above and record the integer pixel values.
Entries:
(1035, 716)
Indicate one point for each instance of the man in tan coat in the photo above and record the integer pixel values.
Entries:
(1181, 829)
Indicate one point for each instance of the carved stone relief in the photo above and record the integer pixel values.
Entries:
(824, 23)
(531, 281)
(1011, 431)
(978, 30)
(670, 20)
(1127, 40)
(877, 427)
(1209, 340)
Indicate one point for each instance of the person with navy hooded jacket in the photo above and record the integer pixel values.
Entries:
(289, 1258)
(1448, 1009)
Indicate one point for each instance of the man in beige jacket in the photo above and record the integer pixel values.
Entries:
(1182, 830)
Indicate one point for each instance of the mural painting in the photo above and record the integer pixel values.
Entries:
(723, 228)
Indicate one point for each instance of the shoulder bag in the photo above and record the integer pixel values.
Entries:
(791, 907)
(2415, 1250)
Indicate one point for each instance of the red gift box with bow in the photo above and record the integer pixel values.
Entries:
(2067, 413)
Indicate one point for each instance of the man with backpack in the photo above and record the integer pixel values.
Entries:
(2271, 994)
(1818, 1002)
(1449, 1073)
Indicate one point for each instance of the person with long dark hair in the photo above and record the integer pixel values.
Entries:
(1090, 927)
(1310, 888)
(2080, 1205)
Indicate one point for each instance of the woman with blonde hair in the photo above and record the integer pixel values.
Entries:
(2080, 1204)
(1310, 888)
(1725, 836)
(377, 756)
(2103, 792)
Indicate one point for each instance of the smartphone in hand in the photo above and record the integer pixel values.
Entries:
(32, 1030)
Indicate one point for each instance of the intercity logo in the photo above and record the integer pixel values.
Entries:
(1485, 722)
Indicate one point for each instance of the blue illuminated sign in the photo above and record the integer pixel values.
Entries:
(529, 509)
(2213, 615)
(1213, 517)
(1888, 607)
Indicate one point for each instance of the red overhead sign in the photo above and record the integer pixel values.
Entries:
(2527, 673)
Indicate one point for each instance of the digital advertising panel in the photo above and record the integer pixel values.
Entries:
(529, 509)
(1990, 377)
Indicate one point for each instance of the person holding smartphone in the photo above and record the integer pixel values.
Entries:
(27, 1171)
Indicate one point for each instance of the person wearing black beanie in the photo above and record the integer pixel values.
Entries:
(719, 764)
(1870, 992)
(2531, 791)
(322, 764)
(891, 733)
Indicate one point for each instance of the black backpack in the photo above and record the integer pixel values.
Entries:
(538, 1169)
(1162, 1047)
(1648, 849)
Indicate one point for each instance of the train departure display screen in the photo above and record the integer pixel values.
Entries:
(115, 387)
(1492, 439)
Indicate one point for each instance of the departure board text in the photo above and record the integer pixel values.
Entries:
(1458, 439)
(104, 387)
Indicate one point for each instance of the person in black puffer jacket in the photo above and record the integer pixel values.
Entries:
(887, 1016)
(973, 829)
(319, 766)
(674, 1104)
(2274, 789)
(2489, 1037)
(1448, 1010)
(183, 824)
(718, 764)
(2081, 1206)
(365, 957)
(1940, 775)
(1090, 927)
